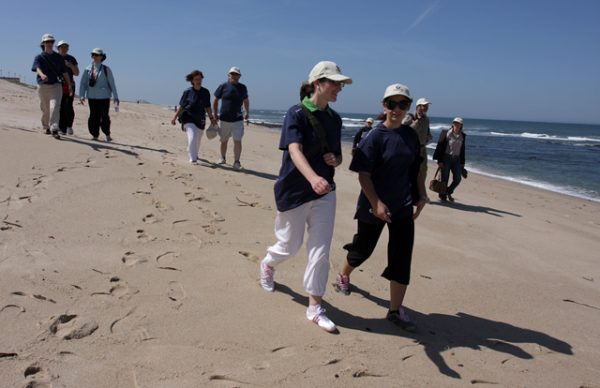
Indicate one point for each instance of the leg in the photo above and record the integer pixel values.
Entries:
(104, 117)
(224, 149)
(237, 150)
(64, 106)
(94, 119)
(55, 100)
(193, 140)
(456, 175)
(289, 232)
(70, 113)
(237, 133)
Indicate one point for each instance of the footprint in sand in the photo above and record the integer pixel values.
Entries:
(70, 326)
(150, 219)
(195, 198)
(131, 258)
(166, 260)
(249, 256)
(161, 206)
(176, 292)
(37, 376)
(120, 291)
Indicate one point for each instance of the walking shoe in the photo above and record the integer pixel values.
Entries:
(450, 197)
(342, 284)
(95, 138)
(55, 135)
(221, 161)
(193, 161)
(64, 133)
(266, 277)
(401, 319)
(47, 132)
(108, 138)
(316, 313)
(69, 131)
(237, 165)
(442, 197)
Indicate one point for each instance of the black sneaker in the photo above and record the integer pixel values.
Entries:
(55, 135)
(401, 319)
(450, 197)
(48, 132)
(442, 197)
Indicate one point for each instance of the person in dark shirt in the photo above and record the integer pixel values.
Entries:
(305, 191)
(387, 161)
(51, 72)
(193, 106)
(450, 156)
(232, 95)
(67, 113)
(360, 133)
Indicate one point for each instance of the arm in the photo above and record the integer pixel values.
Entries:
(247, 109)
(213, 120)
(67, 79)
(318, 183)
(43, 76)
(179, 110)
(111, 83)
(83, 85)
(216, 108)
(379, 209)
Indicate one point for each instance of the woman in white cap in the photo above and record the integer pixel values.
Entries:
(51, 72)
(360, 133)
(387, 161)
(193, 107)
(450, 155)
(98, 85)
(305, 190)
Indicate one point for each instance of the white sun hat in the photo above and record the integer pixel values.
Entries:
(329, 70)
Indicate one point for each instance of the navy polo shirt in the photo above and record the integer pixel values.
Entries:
(194, 103)
(232, 96)
(291, 188)
(58, 66)
(392, 157)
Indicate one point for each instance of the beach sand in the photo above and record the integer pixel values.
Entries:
(121, 265)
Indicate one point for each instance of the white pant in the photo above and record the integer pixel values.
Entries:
(194, 135)
(319, 217)
(50, 98)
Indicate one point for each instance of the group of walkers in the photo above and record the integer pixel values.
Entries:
(55, 72)
(195, 104)
(390, 159)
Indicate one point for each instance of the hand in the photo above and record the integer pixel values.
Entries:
(117, 101)
(82, 100)
(320, 185)
(247, 116)
(330, 159)
(440, 165)
(44, 77)
(173, 122)
(420, 205)
(382, 212)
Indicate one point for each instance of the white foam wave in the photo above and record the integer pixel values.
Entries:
(543, 136)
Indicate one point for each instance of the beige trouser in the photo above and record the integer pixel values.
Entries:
(50, 97)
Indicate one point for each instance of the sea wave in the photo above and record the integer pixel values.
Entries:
(544, 136)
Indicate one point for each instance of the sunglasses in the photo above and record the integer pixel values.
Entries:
(403, 105)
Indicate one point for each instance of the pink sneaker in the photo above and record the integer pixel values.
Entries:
(342, 284)
(316, 313)
(266, 277)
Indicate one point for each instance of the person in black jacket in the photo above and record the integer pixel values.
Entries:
(359, 134)
(450, 156)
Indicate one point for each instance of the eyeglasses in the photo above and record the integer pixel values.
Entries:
(96, 55)
(403, 105)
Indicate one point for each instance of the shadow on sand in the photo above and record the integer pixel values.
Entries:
(475, 209)
(438, 333)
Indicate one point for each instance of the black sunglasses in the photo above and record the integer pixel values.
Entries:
(403, 105)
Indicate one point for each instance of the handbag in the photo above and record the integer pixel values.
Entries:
(436, 183)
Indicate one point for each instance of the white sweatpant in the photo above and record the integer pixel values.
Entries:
(50, 98)
(318, 216)
(194, 135)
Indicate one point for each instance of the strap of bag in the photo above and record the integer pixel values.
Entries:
(317, 128)
(438, 172)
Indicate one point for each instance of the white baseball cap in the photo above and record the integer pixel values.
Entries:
(423, 101)
(235, 70)
(329, 70)
(61, 43)
(98, 51)
(457, 120)
(48, 38)
(369, 120)
(397, 90)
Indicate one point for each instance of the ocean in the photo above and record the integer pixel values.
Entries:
(559, 157)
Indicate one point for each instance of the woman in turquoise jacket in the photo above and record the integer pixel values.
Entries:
(98, 85)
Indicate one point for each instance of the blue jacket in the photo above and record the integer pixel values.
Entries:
(104, 86)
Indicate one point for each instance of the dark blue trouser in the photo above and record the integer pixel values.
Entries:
(452, 163)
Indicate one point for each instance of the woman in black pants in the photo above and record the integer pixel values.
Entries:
(98, 85)
(387, 161)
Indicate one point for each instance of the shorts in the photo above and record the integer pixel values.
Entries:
(231, 129)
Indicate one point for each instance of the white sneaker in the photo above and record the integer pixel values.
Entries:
(316, 313)
(237, 165)
(221, 161)
(69, 131)
(266, 277)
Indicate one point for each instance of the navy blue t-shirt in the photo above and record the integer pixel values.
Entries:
(232, 96)
(58, 66)
(194, 103)
(292, 189)
(392, 156)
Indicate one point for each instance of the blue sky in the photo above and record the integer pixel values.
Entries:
(498, 59)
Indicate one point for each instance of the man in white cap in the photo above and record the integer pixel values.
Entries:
(67, 114)
(51, 73)
(232, 95)
(361, 132)
(420, 123)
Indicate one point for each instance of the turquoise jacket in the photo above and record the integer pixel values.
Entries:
(104, 86)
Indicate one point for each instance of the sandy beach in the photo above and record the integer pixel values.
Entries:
(122, 265)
